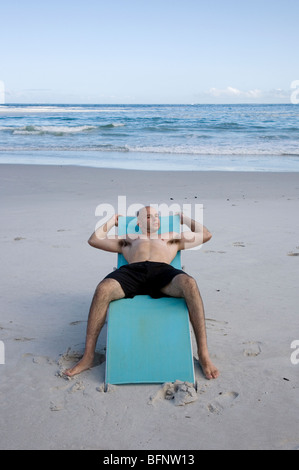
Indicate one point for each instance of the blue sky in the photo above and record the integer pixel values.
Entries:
(149, 51)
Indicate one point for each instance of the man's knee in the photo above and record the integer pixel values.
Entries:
(188, 284)
(108, 289)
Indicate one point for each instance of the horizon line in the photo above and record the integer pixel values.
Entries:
(143, 104)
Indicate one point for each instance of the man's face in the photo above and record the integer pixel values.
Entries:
(148, 220)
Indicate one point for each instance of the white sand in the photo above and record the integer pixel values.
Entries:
(248, 282)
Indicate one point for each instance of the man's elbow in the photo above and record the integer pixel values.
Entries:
(208, 237)
(91, 241)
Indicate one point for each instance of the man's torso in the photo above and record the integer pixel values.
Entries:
(156, 248)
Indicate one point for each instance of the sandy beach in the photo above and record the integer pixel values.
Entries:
(248, 278)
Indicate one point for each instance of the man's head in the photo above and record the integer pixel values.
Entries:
(148, 220)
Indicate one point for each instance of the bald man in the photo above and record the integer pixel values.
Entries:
(148, 271)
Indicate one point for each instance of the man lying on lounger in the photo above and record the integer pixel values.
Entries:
(148, 271)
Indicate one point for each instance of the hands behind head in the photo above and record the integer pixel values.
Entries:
(116, 216)
(181, 217)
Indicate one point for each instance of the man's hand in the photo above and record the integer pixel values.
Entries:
(181, 215)
(116, 216)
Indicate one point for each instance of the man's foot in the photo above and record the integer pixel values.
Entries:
(83, 364)
(209, 370)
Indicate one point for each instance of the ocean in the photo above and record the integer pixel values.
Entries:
(153, 137)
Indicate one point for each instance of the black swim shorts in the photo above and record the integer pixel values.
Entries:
(144, 278)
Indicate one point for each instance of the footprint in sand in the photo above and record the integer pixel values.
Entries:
(241, 244)
(77, 387)
(56, 406)
(220, 322)
(253, 349)
(217, 325)
(23, 338)
(43, 360)
(225, 400)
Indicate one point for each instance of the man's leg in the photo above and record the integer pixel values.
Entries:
(185, 286)
(106, 291)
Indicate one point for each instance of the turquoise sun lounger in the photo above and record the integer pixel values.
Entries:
(148, 340)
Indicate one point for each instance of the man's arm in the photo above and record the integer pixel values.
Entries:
(100, 239)
(199, 234)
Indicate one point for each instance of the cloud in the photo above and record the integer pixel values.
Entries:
(36, 90)
(233, 95)
(231, 92)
